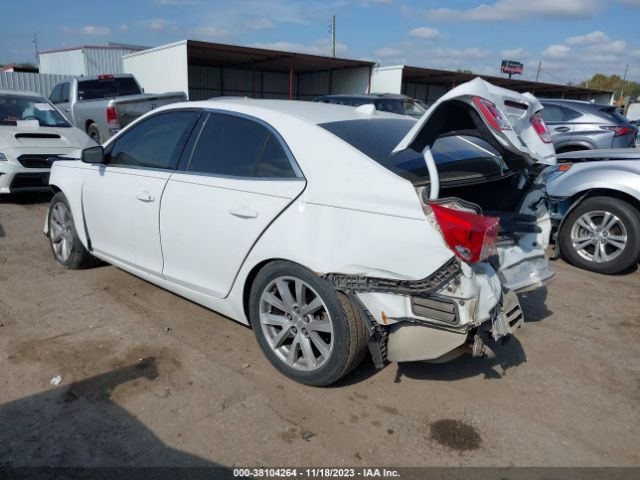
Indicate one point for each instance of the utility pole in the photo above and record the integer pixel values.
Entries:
(539, 68)
(333, 34)
(624, 79)
(35, 45)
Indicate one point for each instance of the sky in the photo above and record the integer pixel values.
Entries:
(573, 38)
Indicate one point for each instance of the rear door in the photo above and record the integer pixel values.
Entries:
(235, 177)
(121, 199)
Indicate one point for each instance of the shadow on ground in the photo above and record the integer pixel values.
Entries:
(534, 305)
(79, 425)
(27, 198)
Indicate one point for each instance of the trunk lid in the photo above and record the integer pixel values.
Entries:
(510, 123)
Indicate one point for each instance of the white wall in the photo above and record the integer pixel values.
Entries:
(67, 62)
(387, 79)
(160, 70)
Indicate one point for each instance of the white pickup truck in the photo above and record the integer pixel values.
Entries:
(101, 105)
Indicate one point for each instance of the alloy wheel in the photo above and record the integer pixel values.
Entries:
(61, 231)
(296, 323)
(599, 236)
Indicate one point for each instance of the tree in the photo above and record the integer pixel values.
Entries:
(614, 83)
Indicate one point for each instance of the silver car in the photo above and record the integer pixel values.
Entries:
(579, 125)
(594, 202)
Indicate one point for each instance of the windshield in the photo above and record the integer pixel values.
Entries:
(458, 158)
(15, 108)
(108, 87)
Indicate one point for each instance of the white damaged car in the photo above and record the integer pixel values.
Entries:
(32, 134)
(331, 230)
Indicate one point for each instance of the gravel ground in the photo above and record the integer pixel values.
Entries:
(151, 379)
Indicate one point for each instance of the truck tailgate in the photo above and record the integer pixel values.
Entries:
(130, 108)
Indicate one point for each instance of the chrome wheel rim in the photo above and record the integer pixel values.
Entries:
(61, 231)
(599, 236)
(296, 323)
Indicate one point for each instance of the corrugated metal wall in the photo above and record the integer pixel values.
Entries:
(206, 82)
(84, 61)
(32, 82)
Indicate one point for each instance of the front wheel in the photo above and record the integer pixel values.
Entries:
(602, 234)
(308, 331)
(65, 244)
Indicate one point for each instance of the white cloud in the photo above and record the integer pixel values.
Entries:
(210, 31)
(92, 30)
(425, 32)
(124, 27)
(556, 51)
(177, 2)
(389, 52)
(320, 46)
(259, 24)
(515, 54)
(157, 24)
(588, 39)
(519, 10)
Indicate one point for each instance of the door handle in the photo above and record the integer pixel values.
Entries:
(243, 212)
(145, 197)
(562, 129)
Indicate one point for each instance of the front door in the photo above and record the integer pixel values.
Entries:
(122, 198)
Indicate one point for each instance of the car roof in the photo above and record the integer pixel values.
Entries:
(23, 93)
(310, 112)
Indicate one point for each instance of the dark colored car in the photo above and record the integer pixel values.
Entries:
(579, 125)
(386, 102)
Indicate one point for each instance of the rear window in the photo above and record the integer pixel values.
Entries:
(459, 158)
(612, 112)
(107, 88)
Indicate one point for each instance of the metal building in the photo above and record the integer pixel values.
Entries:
(31, 82)
(429, 84)
(85, 60)
(203, 70)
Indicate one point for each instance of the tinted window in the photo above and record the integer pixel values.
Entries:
(228, 145)
(65, 92)
(273, 161)
(56, 94)
(154, 142)
(393, 106)
(457, 157)
(552, 113)
(107, 88)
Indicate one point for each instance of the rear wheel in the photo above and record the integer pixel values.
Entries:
(602, 234)
(310, 332)
(94, 133)
(65, 244)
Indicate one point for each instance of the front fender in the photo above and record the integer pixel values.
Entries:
(68, 177)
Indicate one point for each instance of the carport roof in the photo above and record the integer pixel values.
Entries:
(250, 58)
(448, 78)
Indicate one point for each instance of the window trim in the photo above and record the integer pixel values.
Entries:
(185, 157)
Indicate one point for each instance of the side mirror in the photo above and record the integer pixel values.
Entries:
(94, 155)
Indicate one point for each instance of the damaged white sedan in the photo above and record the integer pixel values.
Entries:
(330, 230)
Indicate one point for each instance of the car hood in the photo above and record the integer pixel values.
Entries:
(520, 145)
(31, 136)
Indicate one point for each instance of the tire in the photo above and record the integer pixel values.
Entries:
(66, 247)
(306, 331)
(94, 133)
(620, 238)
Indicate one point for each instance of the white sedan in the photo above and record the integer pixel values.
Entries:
(32, 133)
(297, 218)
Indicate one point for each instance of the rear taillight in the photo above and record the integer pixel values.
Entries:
(112, 115)
(618, 131)
(105, 77)
(541, 128)
(472, 237)
(492, 114)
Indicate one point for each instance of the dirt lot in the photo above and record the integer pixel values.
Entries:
(149, 378)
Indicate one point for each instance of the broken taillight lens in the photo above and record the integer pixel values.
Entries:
(540, 127)
(492, 114)
(472, 237)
